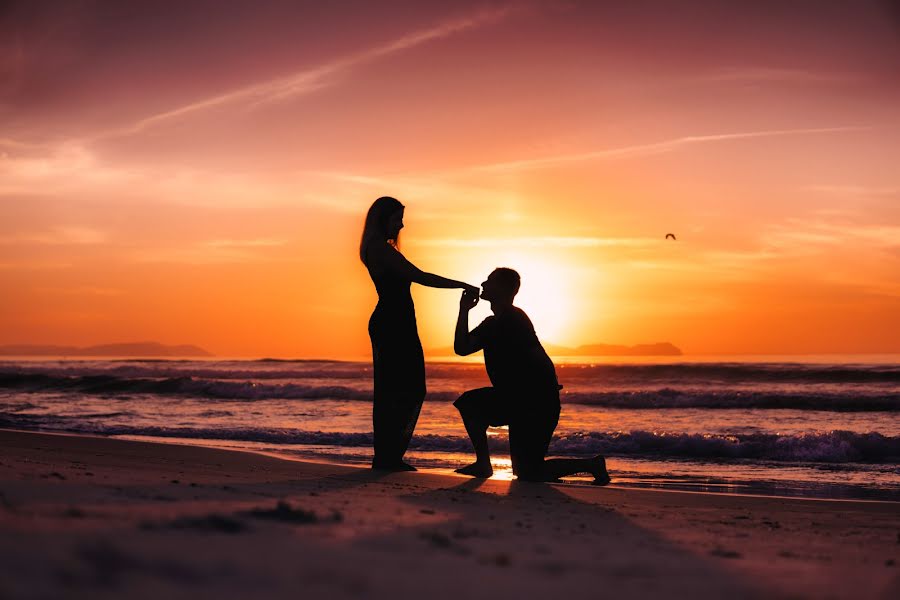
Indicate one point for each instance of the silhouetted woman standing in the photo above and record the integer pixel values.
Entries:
(399, 364)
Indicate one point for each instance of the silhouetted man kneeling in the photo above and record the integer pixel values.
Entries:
(525, 392)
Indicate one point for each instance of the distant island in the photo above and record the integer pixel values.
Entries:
(658, 349)
(132, 349)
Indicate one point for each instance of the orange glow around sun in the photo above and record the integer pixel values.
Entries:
(546, 294)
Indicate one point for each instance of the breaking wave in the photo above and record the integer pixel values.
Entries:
(597, 373)
(215, 389)
(852, 401)
(823, 447)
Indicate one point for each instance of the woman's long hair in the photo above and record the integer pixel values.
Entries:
(376, 224)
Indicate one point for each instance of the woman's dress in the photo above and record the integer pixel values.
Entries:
(399, 366)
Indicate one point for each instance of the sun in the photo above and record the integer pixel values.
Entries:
(545, 295)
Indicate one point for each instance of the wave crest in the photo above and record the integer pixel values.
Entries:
(827, 447)
(606, 374)
(215, 389)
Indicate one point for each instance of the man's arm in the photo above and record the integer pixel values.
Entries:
(464, 343)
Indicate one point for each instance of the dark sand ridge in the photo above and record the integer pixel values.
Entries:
(96, 517)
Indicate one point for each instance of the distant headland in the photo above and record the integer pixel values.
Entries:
(658, 349)
(131, 349)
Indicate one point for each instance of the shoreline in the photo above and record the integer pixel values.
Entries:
(86, 516)
(449, 472)
(739, 487)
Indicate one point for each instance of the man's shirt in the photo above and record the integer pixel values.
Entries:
(513, 355)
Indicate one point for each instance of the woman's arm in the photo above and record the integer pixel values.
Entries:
(392, 259)
(436, 281)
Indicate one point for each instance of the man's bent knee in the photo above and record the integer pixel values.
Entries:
(468, 401)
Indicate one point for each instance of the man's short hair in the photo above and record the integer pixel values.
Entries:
(509, 279)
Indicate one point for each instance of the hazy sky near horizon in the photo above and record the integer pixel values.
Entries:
(198, 172)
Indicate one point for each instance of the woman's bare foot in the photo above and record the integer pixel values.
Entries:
(477, 470)
(601, 475)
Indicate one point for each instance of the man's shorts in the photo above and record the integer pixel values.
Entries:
(532, 418)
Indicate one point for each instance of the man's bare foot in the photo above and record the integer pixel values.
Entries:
(601, 475)
(477, 470)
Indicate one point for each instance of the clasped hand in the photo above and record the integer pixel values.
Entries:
(469, 299)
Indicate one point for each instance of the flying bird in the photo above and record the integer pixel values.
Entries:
(671, 235)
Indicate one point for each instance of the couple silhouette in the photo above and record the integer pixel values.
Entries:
(524, 393)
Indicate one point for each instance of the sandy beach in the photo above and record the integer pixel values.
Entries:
(98, 517)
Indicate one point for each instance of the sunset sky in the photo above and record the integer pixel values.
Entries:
(198, 172)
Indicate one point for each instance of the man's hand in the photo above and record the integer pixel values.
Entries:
(464, 343)
(468, 300)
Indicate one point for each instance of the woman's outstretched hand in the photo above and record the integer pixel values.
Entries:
(468, 300)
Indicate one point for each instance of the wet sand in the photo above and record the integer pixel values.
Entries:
(85, 517)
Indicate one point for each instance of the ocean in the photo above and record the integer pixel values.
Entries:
(823, 427)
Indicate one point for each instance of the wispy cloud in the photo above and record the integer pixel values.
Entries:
(81, 290)
(436, 197)
(654, 148)
(540, 242)
(218, 251)
(757, 74)
(813, 233)
(855, 190)
(58, 236)
(247, 243)
(10, 143)
(34, 265)
(73, 170)
(56, 168)
(314, 78)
